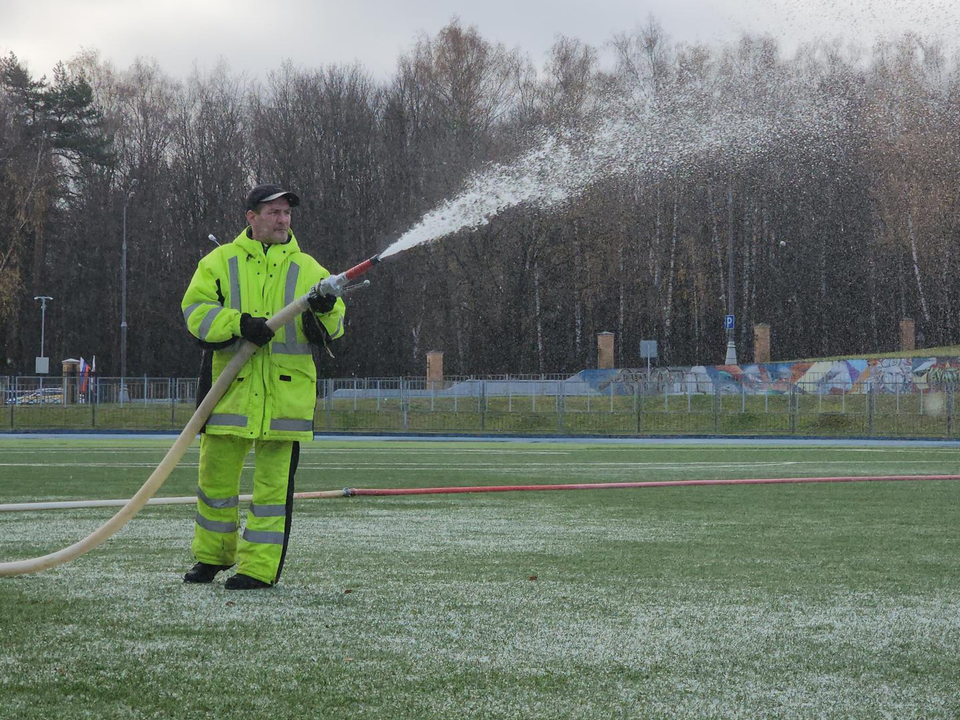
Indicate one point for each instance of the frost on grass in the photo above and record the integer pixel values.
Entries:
(536, 648)
(635, 612)
(473, 530)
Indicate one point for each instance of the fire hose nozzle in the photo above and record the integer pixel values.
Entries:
(336, 284)
(356, 286)
(332, 285)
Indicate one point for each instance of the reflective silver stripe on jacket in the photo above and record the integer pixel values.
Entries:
(262, 536)
(217, 503)
(290, 346)
(233, 267)
(214, 526)
(228, 420)
(188, 311)
(263, 511)
(208, 322)
(291, 424)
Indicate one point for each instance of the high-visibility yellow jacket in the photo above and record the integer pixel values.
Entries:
(274, 395)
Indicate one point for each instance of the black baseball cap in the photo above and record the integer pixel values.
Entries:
(268, 192)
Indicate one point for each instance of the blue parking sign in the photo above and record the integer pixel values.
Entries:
(728, 322)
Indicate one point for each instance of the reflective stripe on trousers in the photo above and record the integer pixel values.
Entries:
(216, 526)
(262, 536)
(268, 510)
(229, 502)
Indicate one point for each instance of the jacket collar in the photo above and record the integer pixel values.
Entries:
(255, 247)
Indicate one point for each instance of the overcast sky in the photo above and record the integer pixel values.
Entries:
(254, 36)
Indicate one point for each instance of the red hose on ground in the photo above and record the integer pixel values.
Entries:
(349, 492)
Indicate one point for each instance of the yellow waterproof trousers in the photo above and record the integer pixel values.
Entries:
(259, 552)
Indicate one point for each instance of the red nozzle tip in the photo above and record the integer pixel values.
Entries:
(358, 270)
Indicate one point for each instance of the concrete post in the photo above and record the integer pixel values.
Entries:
(605, 351)
(908, 334)
(71, 369)
(761, 343)
(434, 369)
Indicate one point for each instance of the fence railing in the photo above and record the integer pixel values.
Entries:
(508, 405)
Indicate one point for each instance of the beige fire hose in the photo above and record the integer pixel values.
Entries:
(166, 466)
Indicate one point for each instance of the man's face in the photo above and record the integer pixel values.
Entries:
(271, 223)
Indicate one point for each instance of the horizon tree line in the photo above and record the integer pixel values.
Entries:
(836, 236)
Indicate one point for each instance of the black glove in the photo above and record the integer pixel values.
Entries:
(321, 303)
(255, 329)
(315, 332)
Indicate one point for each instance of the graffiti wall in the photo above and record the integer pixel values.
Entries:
(886, 375)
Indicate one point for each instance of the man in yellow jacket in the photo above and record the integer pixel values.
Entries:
(270, 405)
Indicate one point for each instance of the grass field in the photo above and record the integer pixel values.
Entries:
(838, 600)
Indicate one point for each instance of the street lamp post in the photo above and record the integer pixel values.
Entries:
(43, 321)
(123, 296)
(731, 358)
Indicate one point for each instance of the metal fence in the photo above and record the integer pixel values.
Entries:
(540, 405)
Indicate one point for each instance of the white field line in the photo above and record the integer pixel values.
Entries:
(306, 449)
(497, 466)
(318, 446)
(312, 451)
(70, 504)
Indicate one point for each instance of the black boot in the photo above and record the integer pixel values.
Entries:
(203, 572)
(244, 582)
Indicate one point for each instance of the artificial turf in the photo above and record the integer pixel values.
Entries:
(838, 600)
